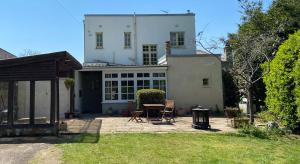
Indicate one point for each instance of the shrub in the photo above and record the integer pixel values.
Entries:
(263, 133)
(266, 116)
(150, 96)
(282, 82)
(232, 112)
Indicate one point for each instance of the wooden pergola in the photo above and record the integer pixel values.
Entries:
(44, 67)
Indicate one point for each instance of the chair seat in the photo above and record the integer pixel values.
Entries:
(138, 111)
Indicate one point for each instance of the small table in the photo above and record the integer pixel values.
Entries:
(148, 107)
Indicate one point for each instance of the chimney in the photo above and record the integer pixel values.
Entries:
(168, 48)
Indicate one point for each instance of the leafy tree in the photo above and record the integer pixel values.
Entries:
(257, 41)
(282, 82)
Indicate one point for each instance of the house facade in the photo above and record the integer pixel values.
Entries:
(125, 53)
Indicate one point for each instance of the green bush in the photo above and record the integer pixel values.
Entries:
(251, 130)
(232, 112)
(266, 116)
(282, 82)
(150, 96)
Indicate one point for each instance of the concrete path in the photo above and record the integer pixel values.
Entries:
(20, 150)
(19, 153)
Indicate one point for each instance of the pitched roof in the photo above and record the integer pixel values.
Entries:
(6, 55)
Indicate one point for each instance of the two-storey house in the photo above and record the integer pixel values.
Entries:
(128, 52)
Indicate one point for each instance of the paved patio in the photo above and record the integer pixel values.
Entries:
(121, 125)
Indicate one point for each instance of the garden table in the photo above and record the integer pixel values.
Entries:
(148, 107)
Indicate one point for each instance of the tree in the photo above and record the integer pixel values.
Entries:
(282, 82)
(257, 41)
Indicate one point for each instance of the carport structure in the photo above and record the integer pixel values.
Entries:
(23, 110)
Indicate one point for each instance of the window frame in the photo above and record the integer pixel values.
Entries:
(127, 40)
(100, 46)
(145, 75)
(150, 54)
(174, 42)
(127, 93)
(207, 84)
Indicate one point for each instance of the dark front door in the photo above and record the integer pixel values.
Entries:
(91, 92)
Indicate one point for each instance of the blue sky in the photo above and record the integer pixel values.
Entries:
(56, 25)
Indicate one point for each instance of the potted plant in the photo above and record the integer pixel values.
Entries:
(63, 126)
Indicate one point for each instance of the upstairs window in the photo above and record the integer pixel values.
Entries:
(150, 54)
(127, 39)
(177, 39)
(99, 40)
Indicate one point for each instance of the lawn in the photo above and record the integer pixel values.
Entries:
(179, 148)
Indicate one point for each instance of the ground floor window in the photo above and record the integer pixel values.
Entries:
(127, 90)
(159, 84)
(111, 90)
(122, 86)
(143, 84)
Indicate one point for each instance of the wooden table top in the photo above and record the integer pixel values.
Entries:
(153, 105)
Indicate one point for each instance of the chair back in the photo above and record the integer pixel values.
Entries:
(130, 106)
(170, 104)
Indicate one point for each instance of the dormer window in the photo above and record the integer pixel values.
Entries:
(99, 40)
(177, 39)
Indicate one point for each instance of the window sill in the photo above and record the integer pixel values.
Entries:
(178, 47)
(127, 47)
(99, 48)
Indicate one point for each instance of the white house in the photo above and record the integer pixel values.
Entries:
(124, 53)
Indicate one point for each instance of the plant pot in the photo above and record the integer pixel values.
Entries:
(63, 126)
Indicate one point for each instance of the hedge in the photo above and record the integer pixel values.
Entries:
(282, 82)
(149, 96)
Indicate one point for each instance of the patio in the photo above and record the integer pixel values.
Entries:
(90, 124)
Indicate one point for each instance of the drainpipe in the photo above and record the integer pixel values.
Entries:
(135, 39)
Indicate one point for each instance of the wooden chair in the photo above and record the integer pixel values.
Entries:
(168, 112)
(135, 114)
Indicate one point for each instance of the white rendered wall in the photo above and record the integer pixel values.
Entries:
(150, 30)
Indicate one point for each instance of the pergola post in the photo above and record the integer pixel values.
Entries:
(32, 102)
(57, 102)
(10, 112)
(53, 101)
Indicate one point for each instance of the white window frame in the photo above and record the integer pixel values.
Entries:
(175, 41)
(135, 79)
(111, 89)
(99, 44)
(127, 90)
(149, 53)
(127, 40)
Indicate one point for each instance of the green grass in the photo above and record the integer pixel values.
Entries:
(179, 148)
